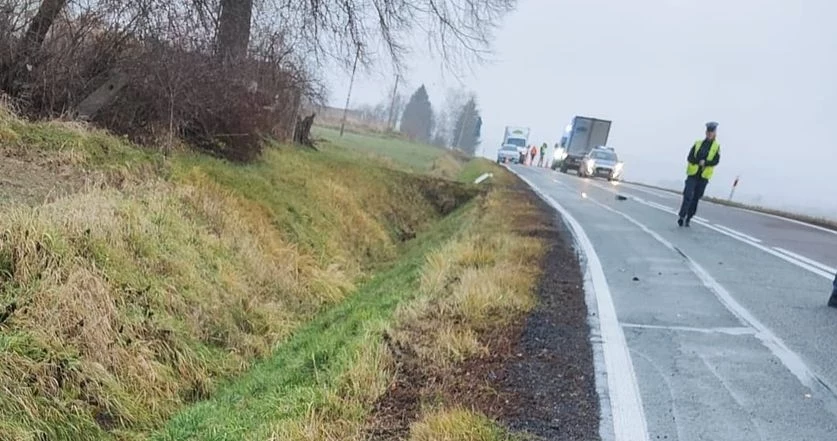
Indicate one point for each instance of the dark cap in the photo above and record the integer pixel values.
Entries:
(711, 126)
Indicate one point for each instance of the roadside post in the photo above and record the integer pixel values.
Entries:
(734, 185)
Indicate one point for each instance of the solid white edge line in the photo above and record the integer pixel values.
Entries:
(658, 193)
(749, 210)
(775, 216)
(742, 330)
(807, 260)
(793, 362)
(786, 258)
(623, 389)
(738, 233)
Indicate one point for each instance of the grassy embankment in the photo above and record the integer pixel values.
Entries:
(260, 292)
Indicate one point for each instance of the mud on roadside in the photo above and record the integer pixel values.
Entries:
(537, 379)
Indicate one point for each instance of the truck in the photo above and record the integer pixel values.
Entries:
(580, 138)
(515, 139)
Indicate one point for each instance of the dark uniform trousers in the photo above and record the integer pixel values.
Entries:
(832, 301)
(693, 191)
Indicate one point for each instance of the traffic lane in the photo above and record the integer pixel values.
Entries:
(701, 373)
(790, 300)
(780, 234)
(814, 242)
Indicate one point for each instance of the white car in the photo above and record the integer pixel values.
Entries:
(601, 162)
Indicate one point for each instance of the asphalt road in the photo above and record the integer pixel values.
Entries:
(715, 332)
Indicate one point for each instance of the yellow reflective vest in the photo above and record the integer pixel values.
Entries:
(692, 169)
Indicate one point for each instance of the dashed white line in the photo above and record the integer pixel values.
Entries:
(748, 210)
(817, 268)
(789, 359)
(753, 242)
(623, 389)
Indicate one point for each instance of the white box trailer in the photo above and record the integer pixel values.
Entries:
(583, 135)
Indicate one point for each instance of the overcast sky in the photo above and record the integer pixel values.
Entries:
(659, 69)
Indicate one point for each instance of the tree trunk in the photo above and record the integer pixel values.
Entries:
(38, 28)
(302, 133)
(17, 69)
(234, 29)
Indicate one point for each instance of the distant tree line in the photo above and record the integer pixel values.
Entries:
(218, 74)
(458, 125)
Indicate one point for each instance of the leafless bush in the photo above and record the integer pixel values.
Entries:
(223, 110)
(218, 73)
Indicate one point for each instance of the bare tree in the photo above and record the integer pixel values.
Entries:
(234, 28)
(458, 30)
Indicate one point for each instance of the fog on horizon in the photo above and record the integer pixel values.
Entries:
(659, 69)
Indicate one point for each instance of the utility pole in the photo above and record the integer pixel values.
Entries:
(349, 95)
(391, 117)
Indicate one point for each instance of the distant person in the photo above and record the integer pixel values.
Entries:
(543, 155)
(832, 301)
(704, 155)
(532, 154)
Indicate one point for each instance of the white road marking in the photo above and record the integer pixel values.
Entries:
(816, 268)
(748, 210)
(813, 262)
(698, 218)
(661, 207)
(738, 233)
(657, 193)
(806, 266)
(789, 359)
(774, 216)
(728, 331)
(623, 389)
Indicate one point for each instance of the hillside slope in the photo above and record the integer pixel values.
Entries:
(131, 283)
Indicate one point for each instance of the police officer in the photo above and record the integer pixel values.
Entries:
(832, 302)
(702, 159)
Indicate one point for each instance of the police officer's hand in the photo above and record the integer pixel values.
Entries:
(702, 162)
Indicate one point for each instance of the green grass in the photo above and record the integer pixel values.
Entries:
(394, 151)
(249, 300)
(457, 425)
(137, 297)
(477, 166)
(304, 371)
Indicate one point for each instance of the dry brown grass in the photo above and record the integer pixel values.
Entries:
(482, 280)
(119, 304)
(455, 425)
(136, 308)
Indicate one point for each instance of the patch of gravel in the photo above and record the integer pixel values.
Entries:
(552, 375)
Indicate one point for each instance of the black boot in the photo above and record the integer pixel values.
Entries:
(679, 221)
(688, 219)
(832, 301)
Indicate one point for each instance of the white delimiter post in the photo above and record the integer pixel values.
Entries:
(732, 191)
